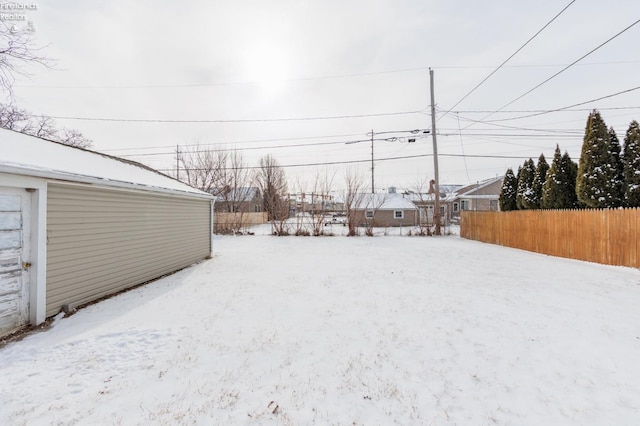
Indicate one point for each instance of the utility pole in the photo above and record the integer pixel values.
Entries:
(436, 213)
(373, 191)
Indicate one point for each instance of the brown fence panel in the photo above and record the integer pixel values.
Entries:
(607, 236)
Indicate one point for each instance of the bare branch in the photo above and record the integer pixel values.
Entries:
(17, 50)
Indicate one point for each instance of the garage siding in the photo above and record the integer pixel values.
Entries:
(101, 241)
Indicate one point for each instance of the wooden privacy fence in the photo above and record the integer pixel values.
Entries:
(604, 236)
(225, 221)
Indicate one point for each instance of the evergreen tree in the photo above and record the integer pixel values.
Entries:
(597, 184)
(538, 180)
(631, 166)
(571, 169)
(559, 190)
(525, 197)
(508, 192)
(617, 186)
(553, 183)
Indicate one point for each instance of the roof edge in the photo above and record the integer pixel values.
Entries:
(70, 177)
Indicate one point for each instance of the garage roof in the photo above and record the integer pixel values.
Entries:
(31, 156)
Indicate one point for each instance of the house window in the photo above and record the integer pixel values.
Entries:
(493, 205)
(456, 209)
(398, 214)
(465, 205)
(368, 214)
(257, 208)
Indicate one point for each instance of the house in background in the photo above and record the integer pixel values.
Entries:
(77, 225)
(481, 196)
(426, 203)
(384, 209)
(245, 199)
(239, 208)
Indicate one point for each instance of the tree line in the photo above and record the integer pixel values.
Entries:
(606, 176)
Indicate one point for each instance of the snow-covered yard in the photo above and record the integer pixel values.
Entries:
(337, 330)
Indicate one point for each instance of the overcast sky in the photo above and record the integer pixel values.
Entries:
(309, 60)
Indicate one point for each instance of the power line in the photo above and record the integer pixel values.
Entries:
(509, 58)
(458, 133)
(561, 71)
(565, 108)
(522, 111)
(331, 163)
(233, 142)
(258, 120)
(328, 77)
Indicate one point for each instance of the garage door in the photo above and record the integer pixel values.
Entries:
(14, 297)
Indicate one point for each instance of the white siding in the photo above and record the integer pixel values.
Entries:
(101, 241)
(13, 288)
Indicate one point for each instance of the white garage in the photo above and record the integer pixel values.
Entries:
(76, 225)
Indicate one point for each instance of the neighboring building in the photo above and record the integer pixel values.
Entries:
(481, 196)
(77, 225)
(426, 203)
(245, 200)
(384, 210)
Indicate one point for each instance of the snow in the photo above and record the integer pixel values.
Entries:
(32, 156)
(383, 202)
(343, 330)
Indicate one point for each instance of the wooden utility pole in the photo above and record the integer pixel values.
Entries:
(436, 213)
(373, 191)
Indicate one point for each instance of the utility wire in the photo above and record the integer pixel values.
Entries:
(559, 72)
(233, 142)
(522, 111)
(368, 140)
(508, 59)
(565, 108)
(329, 77)
(466, 168)
(354, 161)
(258, 120)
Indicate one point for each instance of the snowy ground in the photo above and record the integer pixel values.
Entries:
(338, 330)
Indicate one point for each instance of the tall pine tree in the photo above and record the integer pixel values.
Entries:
(538, 180)
(571, 169)
(631, 165)
(508, 192)
(617, 186)
(559, 190)
(597, 183)
(525, 198)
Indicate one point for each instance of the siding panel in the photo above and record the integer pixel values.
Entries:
(101, 241)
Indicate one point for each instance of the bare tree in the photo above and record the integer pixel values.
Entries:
(73, 137)
(236, 192)
(17, 50)
(41, 126)
(44, 127)
(424, 196)
(271, 180)
(320, 195)
(14, 118)
(202, 168)
(353, 196)
(300, 216)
